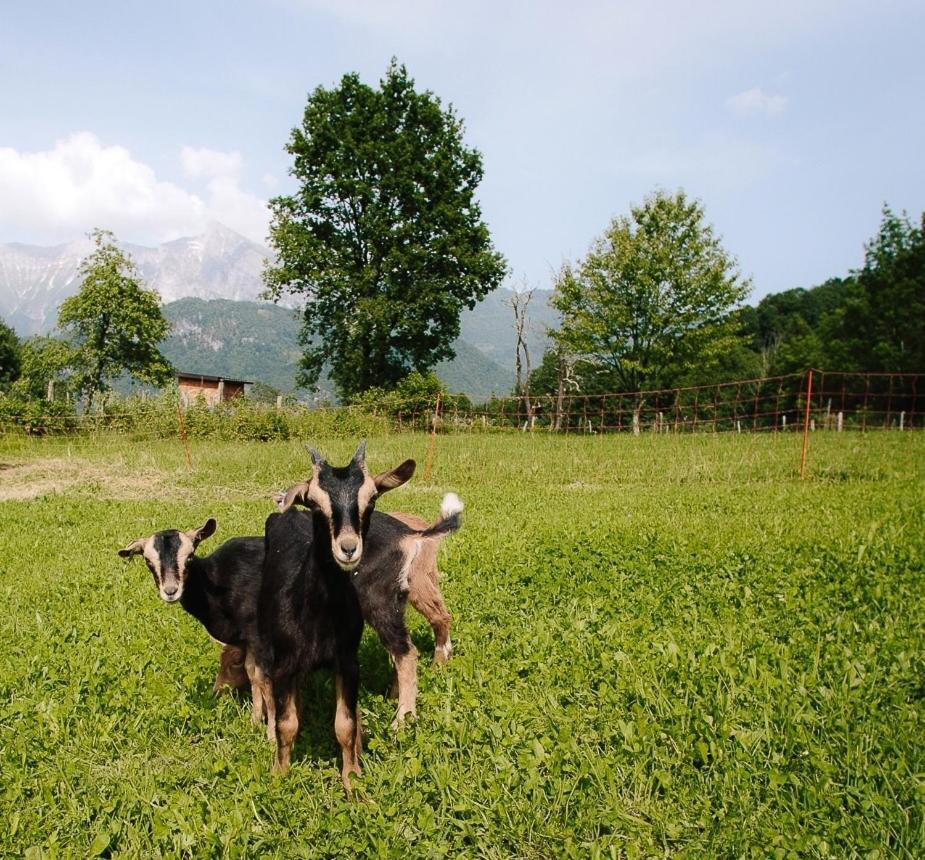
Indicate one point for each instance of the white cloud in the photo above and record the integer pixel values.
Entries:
(55, 195)
(200, 161)
(755, 101)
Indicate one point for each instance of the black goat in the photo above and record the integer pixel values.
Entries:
(220, 590)
(309, 615)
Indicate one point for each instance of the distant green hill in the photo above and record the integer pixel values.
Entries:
(259, 341)
(474, 374)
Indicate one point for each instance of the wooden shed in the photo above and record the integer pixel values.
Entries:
(214, 389)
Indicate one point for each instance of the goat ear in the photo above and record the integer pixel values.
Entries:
(317, 459)
(136, 547)
(395, 477)
(297, 494)
(198, 535)
(360, 455)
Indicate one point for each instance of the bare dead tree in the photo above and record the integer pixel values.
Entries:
(519, 302)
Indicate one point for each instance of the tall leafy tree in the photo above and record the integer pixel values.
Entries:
(114, 323)
(9, 355)
(384, 237)
(881, 326)
(654, 298)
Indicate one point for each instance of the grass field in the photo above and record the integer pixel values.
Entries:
(663, 646)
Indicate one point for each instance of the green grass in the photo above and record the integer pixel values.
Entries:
(663, 646)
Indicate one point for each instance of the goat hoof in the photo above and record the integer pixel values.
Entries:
(345, 779)
(399, 721)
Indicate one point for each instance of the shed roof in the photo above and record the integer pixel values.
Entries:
(205, 377)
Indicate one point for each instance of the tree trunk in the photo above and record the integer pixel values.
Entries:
(637, 415)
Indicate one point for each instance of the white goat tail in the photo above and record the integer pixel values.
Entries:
(451, 505)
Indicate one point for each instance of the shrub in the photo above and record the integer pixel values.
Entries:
(36, 417)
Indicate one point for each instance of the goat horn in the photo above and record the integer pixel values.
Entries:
(317, 459)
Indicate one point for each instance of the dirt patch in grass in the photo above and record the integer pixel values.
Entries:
(35, 478)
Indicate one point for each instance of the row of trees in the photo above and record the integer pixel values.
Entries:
(872, 320)
(658, 303)
(384, 243)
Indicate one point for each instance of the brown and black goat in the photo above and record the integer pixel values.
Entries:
(309, 611)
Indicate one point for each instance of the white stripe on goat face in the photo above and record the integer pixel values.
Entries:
(346, 497)
(166, 554)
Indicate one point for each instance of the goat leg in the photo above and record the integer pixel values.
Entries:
(347, 723)
(287, 724)
(406, 673)
(424, 595)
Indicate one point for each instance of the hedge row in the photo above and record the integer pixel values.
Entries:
(162, 418)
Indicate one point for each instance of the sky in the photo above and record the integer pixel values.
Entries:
(793, 122)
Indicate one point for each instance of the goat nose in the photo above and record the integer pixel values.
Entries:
(171, 590)
(348, 546)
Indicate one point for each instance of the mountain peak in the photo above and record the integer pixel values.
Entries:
(217, 229)
(218, 264)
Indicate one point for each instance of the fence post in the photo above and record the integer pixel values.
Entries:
(50, 395)
(840, 421)
(809, 395)
(279, 402)
(428, 465)
(182, 427)
(902, 420)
